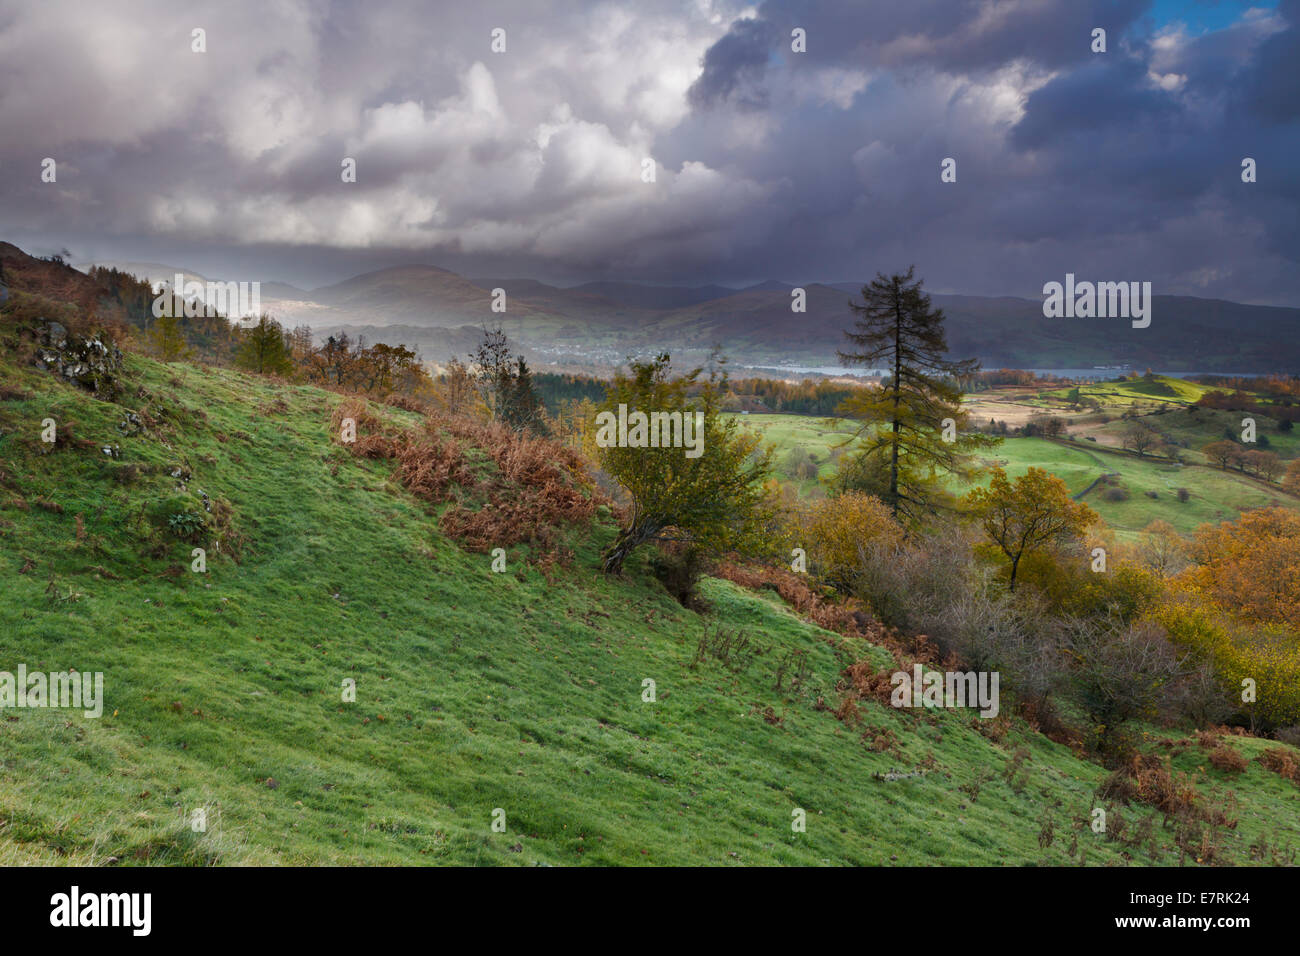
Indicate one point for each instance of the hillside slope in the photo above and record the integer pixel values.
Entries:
(604, 321)
(475, 691)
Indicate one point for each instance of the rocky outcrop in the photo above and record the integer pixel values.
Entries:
(93, 362)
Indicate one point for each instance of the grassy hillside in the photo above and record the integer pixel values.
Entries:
(820, 437)
(1192, 430)
(1160, 389)
(1215, 495)
(475, 690)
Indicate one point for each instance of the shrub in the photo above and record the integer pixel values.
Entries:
(678, 569)
(1123, 593)
(1237, 650)
(1145, 778)
(1281, 762)
(1228, 760)
(1122, 673)
(797, 463)
(902, 580)
(186, 525)
(840, 529)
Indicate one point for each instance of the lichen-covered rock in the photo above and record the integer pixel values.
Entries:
(93, 362)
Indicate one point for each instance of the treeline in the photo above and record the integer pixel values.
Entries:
(131, 297)
(556, 390)
(807, 397)
(1282, 408)
(1284, 389)
(993, 378)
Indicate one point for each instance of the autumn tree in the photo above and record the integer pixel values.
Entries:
(1262, 464)
(167, 340)
(331, 362)
(301, 344)
(454, 390)
(706, 492)
(1140, 438)
(385, 368)
(1223, 452)
(1251, 566)
(840, 530)
(1031, 513)
(1162, 549)
(914, 426)
(1291, 482)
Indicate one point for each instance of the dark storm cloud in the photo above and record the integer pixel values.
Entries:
(1107, 162)
(955, 35)
(769, 163)
(1273, 91)
(733, 68)
(1080, 104)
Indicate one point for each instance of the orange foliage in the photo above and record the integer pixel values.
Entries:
(1251, 566)
(536, 486)
(841, 616)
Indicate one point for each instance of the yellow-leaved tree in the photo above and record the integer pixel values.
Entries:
(1251, 566)
(706, 491)
(839, 530)
(1031, 513)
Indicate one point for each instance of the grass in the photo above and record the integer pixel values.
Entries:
(474, 691)
(1215, 495)
(1125, 393)
(820, 437)
(1191, 431)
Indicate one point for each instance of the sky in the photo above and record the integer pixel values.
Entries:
(821, 165)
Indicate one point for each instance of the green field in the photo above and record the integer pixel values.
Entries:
(475, 691)
(821, 437)
(1215, 495)
(1191, 431)
(1161, 390)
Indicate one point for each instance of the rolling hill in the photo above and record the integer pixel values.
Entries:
(604, 321)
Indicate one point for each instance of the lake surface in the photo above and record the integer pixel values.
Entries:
(1092, 373)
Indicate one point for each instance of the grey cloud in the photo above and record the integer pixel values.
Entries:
(822, 165)
(734, 67)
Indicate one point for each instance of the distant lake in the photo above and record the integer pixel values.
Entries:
(1119, 373)
(814, 370)
(1093, 373)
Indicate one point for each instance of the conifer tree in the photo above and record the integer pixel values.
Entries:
(913, 427)
(263, 348)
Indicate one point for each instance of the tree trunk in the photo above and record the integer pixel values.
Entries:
(611, 562)
(898, 363)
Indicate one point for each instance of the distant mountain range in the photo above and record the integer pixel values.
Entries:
(600, 323)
